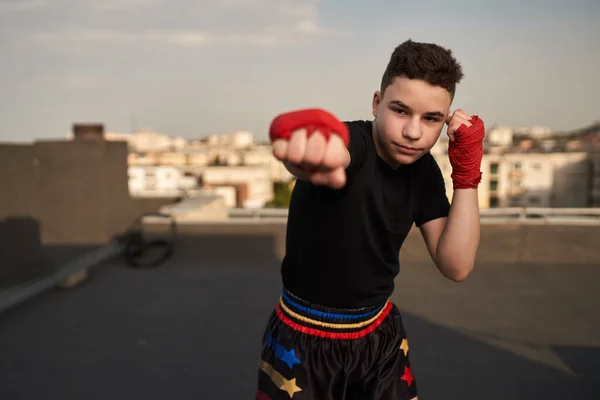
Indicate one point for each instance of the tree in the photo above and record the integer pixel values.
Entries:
(282, 194)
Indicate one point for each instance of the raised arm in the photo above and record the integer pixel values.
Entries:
(453, 241)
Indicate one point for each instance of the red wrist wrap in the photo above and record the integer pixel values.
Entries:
(465, 154)
(312, 119)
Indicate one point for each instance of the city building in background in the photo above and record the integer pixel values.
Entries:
(535, 168)
(521, 166)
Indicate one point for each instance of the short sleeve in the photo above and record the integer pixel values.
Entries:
(432, 201)
(358, 145)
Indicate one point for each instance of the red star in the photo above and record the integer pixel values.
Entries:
(408, 376)
(261, 396)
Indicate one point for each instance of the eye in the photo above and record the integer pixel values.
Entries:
(399, 111)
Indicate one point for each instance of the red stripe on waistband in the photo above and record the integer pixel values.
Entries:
(334, 335)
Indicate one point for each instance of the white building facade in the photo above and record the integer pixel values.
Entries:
(159, 181)
(559, 179)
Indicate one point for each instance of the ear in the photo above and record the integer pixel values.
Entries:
(376, 102)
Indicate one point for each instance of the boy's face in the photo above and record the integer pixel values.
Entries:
(409, 119)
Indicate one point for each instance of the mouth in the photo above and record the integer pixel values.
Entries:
(406, 149)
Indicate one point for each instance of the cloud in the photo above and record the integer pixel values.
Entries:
(98, 37)
(91, 5)
(119, 5)
(22, 5)
(88, 82)
(78, 27)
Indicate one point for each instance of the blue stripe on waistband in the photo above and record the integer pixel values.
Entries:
(323, 314)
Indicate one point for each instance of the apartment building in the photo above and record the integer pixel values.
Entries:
(538, 180)
(530, 180)
(529, 168)
(159, 181)
(263, 156)
(148, 141)
(522, 167)
(252, 185)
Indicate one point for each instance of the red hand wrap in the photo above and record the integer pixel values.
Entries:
(312, 119)
(465, 154)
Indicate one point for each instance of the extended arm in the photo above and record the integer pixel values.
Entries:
(313, 146)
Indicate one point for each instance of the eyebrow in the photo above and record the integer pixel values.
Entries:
(438, 114)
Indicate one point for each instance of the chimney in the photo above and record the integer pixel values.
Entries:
(88, 132)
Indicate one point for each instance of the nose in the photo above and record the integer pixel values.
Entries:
(412, 129)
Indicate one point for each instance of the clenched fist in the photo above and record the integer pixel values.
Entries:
(454, 121)
(465, 149)
(312, 144)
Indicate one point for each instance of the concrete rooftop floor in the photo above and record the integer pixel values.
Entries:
(191, 329)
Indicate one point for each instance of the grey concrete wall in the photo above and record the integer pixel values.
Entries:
(59, 199)
(523, 244)
(508, 244)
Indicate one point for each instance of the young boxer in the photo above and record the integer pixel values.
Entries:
(334, 332)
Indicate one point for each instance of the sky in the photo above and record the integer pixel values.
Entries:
(193, 68)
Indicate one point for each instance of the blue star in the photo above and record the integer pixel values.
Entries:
(289, 357)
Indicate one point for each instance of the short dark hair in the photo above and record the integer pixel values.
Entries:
(425, 61)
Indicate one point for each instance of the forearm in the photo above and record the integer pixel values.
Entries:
(459, 241)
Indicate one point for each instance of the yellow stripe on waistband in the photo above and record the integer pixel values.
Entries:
(329, 324)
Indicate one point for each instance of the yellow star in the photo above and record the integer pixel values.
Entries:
(288, 386)
(404, 346)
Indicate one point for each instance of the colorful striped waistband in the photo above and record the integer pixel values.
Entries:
(329, 322)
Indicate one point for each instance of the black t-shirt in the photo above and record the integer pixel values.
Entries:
(343, 245)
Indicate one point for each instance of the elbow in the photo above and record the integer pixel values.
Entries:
(459, 274)
(456, 266)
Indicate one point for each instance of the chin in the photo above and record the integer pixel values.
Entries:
(405, 159)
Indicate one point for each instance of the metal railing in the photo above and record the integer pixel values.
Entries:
(520, 215)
